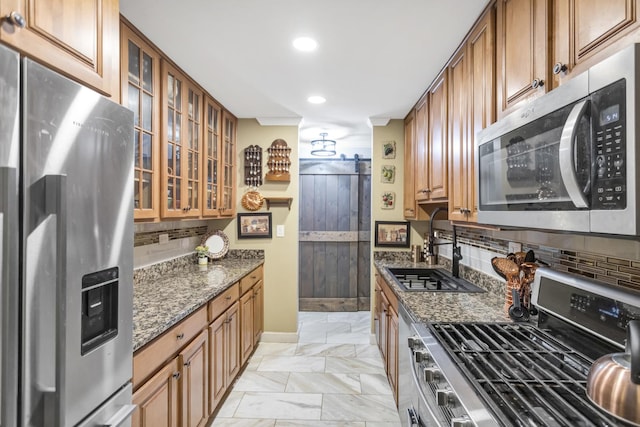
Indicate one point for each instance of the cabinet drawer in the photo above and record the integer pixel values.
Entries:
(150, 357)
(250, 279)
(223, 301)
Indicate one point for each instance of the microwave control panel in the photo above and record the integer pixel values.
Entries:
(609, 120)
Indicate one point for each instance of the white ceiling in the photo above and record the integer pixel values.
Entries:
(374, 60)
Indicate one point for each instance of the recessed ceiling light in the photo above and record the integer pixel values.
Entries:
(316, 99)
(305, 44)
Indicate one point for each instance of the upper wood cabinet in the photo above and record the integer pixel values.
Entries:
(140, 86)
(78, 38)
(471, 109)
(421, 187)
(211, 185)
(228, 165)
(409, 199)
(522, 51)
(438, 165)
(181, 134)
(586, 31)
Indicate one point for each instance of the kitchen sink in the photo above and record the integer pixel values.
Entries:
(430, 280)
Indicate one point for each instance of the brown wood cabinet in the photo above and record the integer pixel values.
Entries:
(471, 106)
(522, 51)
(421, 161)
(438, 165)
(251, 309)
(246, 319)
(228, 165)
(157, 399)
(181, 377)
(587, 31)
(386, 327)
(181, 134)
(224, 336)
(75, 37)
(140, 77)
(194, 381)
(409, 199)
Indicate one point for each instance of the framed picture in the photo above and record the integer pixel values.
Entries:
(388, 174)
(389, 150)
(392, 234)
(254, 225)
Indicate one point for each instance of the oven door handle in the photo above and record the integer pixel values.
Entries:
(567, 154)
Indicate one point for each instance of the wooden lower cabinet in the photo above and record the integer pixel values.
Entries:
(224, 363)
(386, 327)
(157, 399)
(194, 381)
(181, 378)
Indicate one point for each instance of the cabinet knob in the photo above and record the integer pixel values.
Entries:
(16, 19)
(180, 336)
(536, 83)
(559, 67)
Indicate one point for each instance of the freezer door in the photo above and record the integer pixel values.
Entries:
(78, 238)
(9, 292)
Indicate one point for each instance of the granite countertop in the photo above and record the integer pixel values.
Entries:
(430, 307)
(160, 303)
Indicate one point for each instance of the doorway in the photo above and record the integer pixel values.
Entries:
(334, 236)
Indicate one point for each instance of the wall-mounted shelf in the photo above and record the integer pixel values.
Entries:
(281, 201)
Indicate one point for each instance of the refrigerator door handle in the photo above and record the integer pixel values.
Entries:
(56, 204)
(121, 416)
(9, 272)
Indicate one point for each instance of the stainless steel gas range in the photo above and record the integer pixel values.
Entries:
(516, 374)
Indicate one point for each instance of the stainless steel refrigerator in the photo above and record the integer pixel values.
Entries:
(66, 221)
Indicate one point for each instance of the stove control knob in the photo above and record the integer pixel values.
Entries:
(431, 374)
(414, 342)
(463, 421)
(422, 356)
(445, 397)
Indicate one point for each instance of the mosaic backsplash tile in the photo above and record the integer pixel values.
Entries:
(151, 237)
(616, 271)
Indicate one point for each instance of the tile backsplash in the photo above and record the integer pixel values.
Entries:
(599, 264)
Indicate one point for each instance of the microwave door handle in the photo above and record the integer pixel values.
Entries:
(567, 153)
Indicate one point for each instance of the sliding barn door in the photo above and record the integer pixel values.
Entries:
(335, 217)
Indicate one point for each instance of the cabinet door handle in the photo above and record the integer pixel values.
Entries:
(536, 83)
(180, 336)
(187, 363)
(559, 67)
(228, 297)
(16, 19)
(176, 375)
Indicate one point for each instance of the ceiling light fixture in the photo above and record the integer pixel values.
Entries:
(323, 147)
(317, 99)
(305, 44)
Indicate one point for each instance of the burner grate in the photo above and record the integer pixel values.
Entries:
(527, 376)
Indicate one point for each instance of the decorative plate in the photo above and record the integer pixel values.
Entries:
(218, 244)
(252, 200)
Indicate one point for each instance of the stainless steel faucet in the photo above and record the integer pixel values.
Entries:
(456, 253)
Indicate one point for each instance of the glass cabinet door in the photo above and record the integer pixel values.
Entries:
(212, 147)
(140, 93)
(182, 126)
(228, 164)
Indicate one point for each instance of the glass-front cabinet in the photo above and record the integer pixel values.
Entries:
(228, 165)
(140, 92)
(182, 126)
(212, 147)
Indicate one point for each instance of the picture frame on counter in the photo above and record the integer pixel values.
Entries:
(394, 234)
(254, 225)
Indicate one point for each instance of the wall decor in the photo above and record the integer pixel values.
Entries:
(392, 234)
(254, 225)
(388, 200)
(388, 174)
(253, 166)
(389, 150)
(278, 163)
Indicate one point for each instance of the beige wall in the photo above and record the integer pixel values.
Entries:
(281, 253)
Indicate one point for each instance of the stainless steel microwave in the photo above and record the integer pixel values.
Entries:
(568, 159)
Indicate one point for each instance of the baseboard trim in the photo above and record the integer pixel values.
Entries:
(286, 337)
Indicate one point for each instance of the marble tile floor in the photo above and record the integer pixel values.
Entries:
(332, 377)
